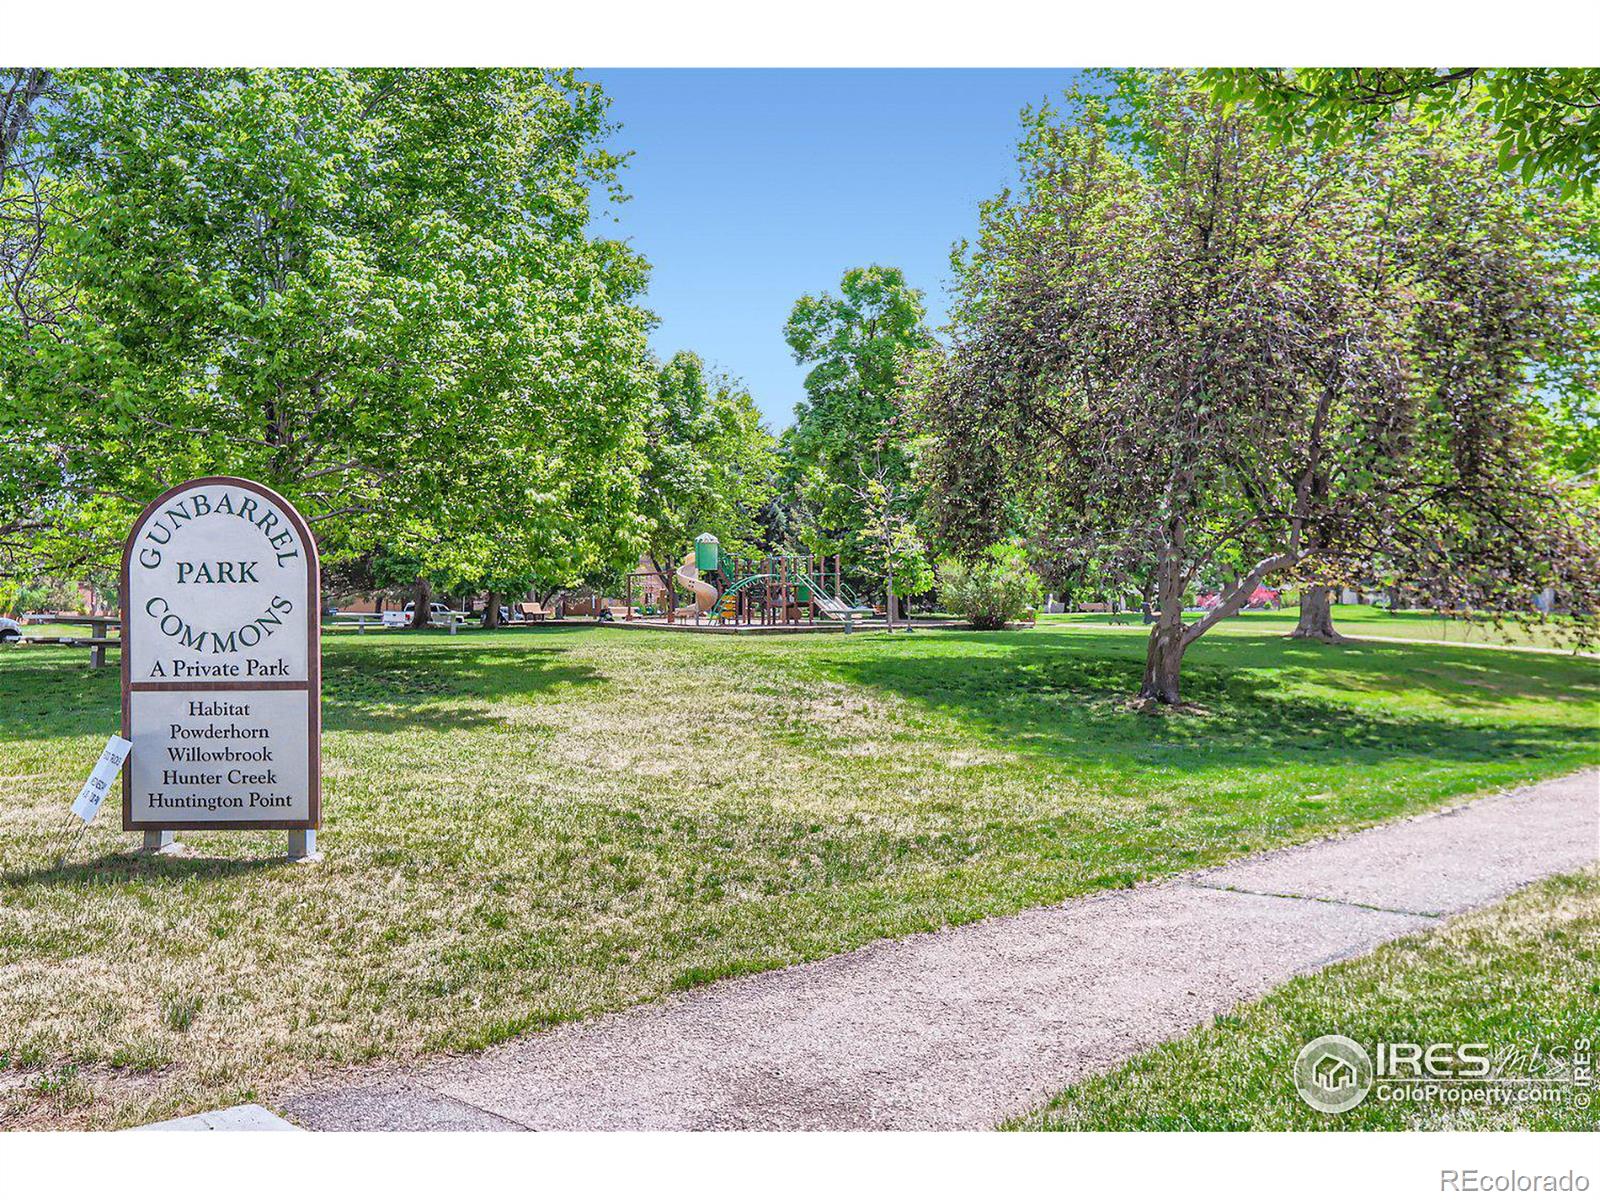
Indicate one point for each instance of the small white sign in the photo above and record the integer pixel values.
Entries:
(101, 778)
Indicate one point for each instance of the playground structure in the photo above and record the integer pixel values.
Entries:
(775, 589)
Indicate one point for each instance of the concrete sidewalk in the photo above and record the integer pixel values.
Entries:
(242, 1118)
(962, 1028)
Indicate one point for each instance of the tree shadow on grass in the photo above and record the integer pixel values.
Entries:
(1463, 675)
(371, 688)
(1258, 701)
(114, 870)
(442, 686)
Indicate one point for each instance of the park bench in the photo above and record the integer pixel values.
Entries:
(532, 612)
(95, 645)
(360, 619)
(97, 641)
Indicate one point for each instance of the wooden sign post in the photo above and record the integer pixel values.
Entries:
(221, 666)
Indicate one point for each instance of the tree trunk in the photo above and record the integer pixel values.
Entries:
(669, 590)
(888, 608)
(421, 599)
(1163, 658)
(491, 613)
(1164, 655)
(1316, 615)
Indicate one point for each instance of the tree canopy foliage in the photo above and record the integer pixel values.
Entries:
(846, 433)
(1545, 120)
(710, 465)
(1194, 351)
(1300, 323)
(373, 290)
(30, 472)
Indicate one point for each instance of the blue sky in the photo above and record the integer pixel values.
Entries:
(751, 188)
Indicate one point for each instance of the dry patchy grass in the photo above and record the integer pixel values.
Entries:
(528, 827)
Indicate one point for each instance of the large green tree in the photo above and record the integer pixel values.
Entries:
(373, 290)
(709, 464)
(31, 471)
(1193, 351)
(1545, 121)
(847, 440)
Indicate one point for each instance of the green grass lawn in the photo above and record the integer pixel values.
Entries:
(1359, 621)
(526, 827)
(1521, 977)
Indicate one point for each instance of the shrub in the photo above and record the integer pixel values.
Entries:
(994, 590)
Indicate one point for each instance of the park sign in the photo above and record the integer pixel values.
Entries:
(221, 666)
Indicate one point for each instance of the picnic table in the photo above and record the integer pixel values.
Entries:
(97, 641)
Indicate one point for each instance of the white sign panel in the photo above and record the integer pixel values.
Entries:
(87, 806)
(221, 671)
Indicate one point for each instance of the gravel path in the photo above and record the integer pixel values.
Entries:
(961, 1028)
